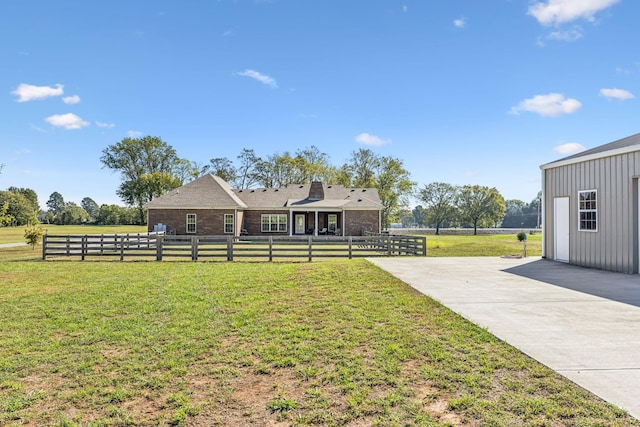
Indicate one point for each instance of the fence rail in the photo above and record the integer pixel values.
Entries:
(159, 246)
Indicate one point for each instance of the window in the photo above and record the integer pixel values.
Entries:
(332, 222)
(274, 223)
(191, 223)
(228, 223)
(587, 210)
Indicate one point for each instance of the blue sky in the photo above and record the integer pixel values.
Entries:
(463, 91)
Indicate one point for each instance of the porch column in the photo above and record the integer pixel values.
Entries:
(291, 225)
(315, 225)
(343, 222)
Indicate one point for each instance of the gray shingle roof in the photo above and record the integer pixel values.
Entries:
(628, 142)
(210, 191)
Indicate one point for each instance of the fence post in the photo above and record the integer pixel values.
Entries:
(122, 248)
(310, 248)
(424, 246)
(389, 245)
(83, 246)
(229, 248)
(194, 248)
(350, 239)
(270, 248)
(68, 243)
(159, 241)
(44, 246)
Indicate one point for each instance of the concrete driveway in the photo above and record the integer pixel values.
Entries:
(582, 323)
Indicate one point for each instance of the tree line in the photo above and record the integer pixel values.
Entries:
(445, 205)
(150, 167)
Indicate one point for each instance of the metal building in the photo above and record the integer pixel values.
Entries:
(590, 207)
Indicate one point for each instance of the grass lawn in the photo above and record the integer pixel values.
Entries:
(482, 245)
(336, 343)
(16, 234)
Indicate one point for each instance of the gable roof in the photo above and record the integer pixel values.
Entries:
(210, 191)
(620, 146)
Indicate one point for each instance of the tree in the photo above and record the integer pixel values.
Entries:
(439, 199)
(19, 210)
(419, 216)
(394, 186)
(247, 173)
(29, 194)
(5, 218)
(362, 167)
(73, 215)
(55, 203)
(142, 163)
(223, 167)
(33, 235)
(185, 170)
(91, 207)
(477, 203)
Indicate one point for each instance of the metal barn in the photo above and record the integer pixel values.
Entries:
(590, 207)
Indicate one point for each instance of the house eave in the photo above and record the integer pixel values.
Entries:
(588, 157)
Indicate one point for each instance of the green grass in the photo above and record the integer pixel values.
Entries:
(482, 245)
(16, 234)
(332, 343)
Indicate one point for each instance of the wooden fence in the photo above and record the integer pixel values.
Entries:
(159, 246)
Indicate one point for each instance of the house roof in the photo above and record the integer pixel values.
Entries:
(620, 146)
(210, 191)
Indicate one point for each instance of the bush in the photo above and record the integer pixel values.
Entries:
(33, 235)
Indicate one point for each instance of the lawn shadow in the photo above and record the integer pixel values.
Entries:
(624, 288)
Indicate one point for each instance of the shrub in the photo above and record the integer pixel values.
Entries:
(33, 235)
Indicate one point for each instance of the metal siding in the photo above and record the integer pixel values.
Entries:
(615, 245)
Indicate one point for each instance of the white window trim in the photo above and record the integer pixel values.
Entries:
(580, 211)
(280, 229)
(233, 223)
(332, 226)
(195, 223)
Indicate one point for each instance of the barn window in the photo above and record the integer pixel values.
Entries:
(588, 210)
(191, 223)
(228, 223)
(273, 223)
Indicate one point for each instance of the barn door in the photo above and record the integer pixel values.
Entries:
(561, 229)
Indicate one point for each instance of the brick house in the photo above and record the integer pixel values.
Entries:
(209, 206)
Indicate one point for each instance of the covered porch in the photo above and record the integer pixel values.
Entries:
(316, 222)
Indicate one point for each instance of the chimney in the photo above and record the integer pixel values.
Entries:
(316, 192)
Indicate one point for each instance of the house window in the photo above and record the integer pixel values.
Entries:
(332, 222)
(274, 223)
(588, 210)
(228, 223)
(191, 223)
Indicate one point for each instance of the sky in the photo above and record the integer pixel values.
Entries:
(462, 91)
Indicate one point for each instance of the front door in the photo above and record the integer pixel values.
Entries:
(561, 229)
(300, 226)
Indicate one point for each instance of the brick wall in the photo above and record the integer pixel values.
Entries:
(209, 222)
(252, 222)
(356, 222)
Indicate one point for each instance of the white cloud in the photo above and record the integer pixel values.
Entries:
(105, 125)
(134, 134)
(262, 78)
(566, 36)
(554, 12)
(71, 99)
(552, 104)
(460, 22)
(619, 94)
(569, 148)
(368, 139)
(26, 92)
(405, 8)
(67, 121)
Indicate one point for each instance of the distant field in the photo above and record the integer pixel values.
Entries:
(16, 234)
(336, 343)
(482, 245)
